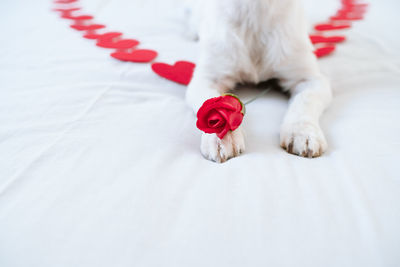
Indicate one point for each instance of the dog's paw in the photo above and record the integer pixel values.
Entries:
(303, 139)
(215, 149)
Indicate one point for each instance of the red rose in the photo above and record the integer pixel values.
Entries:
(220, 115)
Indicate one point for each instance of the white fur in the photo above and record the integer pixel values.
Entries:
(253, 41)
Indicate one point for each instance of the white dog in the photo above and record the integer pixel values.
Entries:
(253, 41)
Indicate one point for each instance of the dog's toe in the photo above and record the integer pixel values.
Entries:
(215, 149)
(303, 139)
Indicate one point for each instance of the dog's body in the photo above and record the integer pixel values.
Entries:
(253, 41)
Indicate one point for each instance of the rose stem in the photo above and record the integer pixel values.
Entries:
(258, 96)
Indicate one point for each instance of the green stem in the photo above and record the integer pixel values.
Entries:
(258, 96)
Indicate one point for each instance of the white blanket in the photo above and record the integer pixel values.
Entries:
(100, 163)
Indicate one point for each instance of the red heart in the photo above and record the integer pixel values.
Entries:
(355, 5)
(92, 36)
(139, 56)
(353, 11)
(324, 51)
(65, 1)
(66, 12)
(66, 9)
(331, 27)
(87, 27)
(181, 72)
(104, 36)
(317, 39)
(120, 44)
(77, 18)
(347, 17)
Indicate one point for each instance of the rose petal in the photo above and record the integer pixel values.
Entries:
(222, 134)
(212, 130)
(206, 107)
(226, 126)
(231, 103)
(203, 126)
(227, 102)
(225, 114)
(214, 119)
(235, 120)
(203, 122)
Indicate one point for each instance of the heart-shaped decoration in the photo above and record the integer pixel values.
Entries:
(355, 5)
(349, 9)
(66, 12)
(138, 56)
(317, 39)
(92, 36)
(353, 12)
(65, 1)
(104, 36)
(87, 27)
(120, 44)
(77, 18)
(331, 27)
(66, 9)
(181, 72)
(324, 51)
(347, 17)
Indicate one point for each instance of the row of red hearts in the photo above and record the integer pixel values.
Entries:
(181, 72)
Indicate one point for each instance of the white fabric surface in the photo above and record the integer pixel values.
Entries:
(100, 162)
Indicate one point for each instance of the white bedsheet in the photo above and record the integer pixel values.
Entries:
(100, 162)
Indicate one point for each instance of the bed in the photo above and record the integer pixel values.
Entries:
(100, 162)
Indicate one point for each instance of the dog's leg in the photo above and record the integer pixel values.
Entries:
(301, 133)
(204, 87)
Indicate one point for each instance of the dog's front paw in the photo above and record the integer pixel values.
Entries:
(303, 139)
(215, 149)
